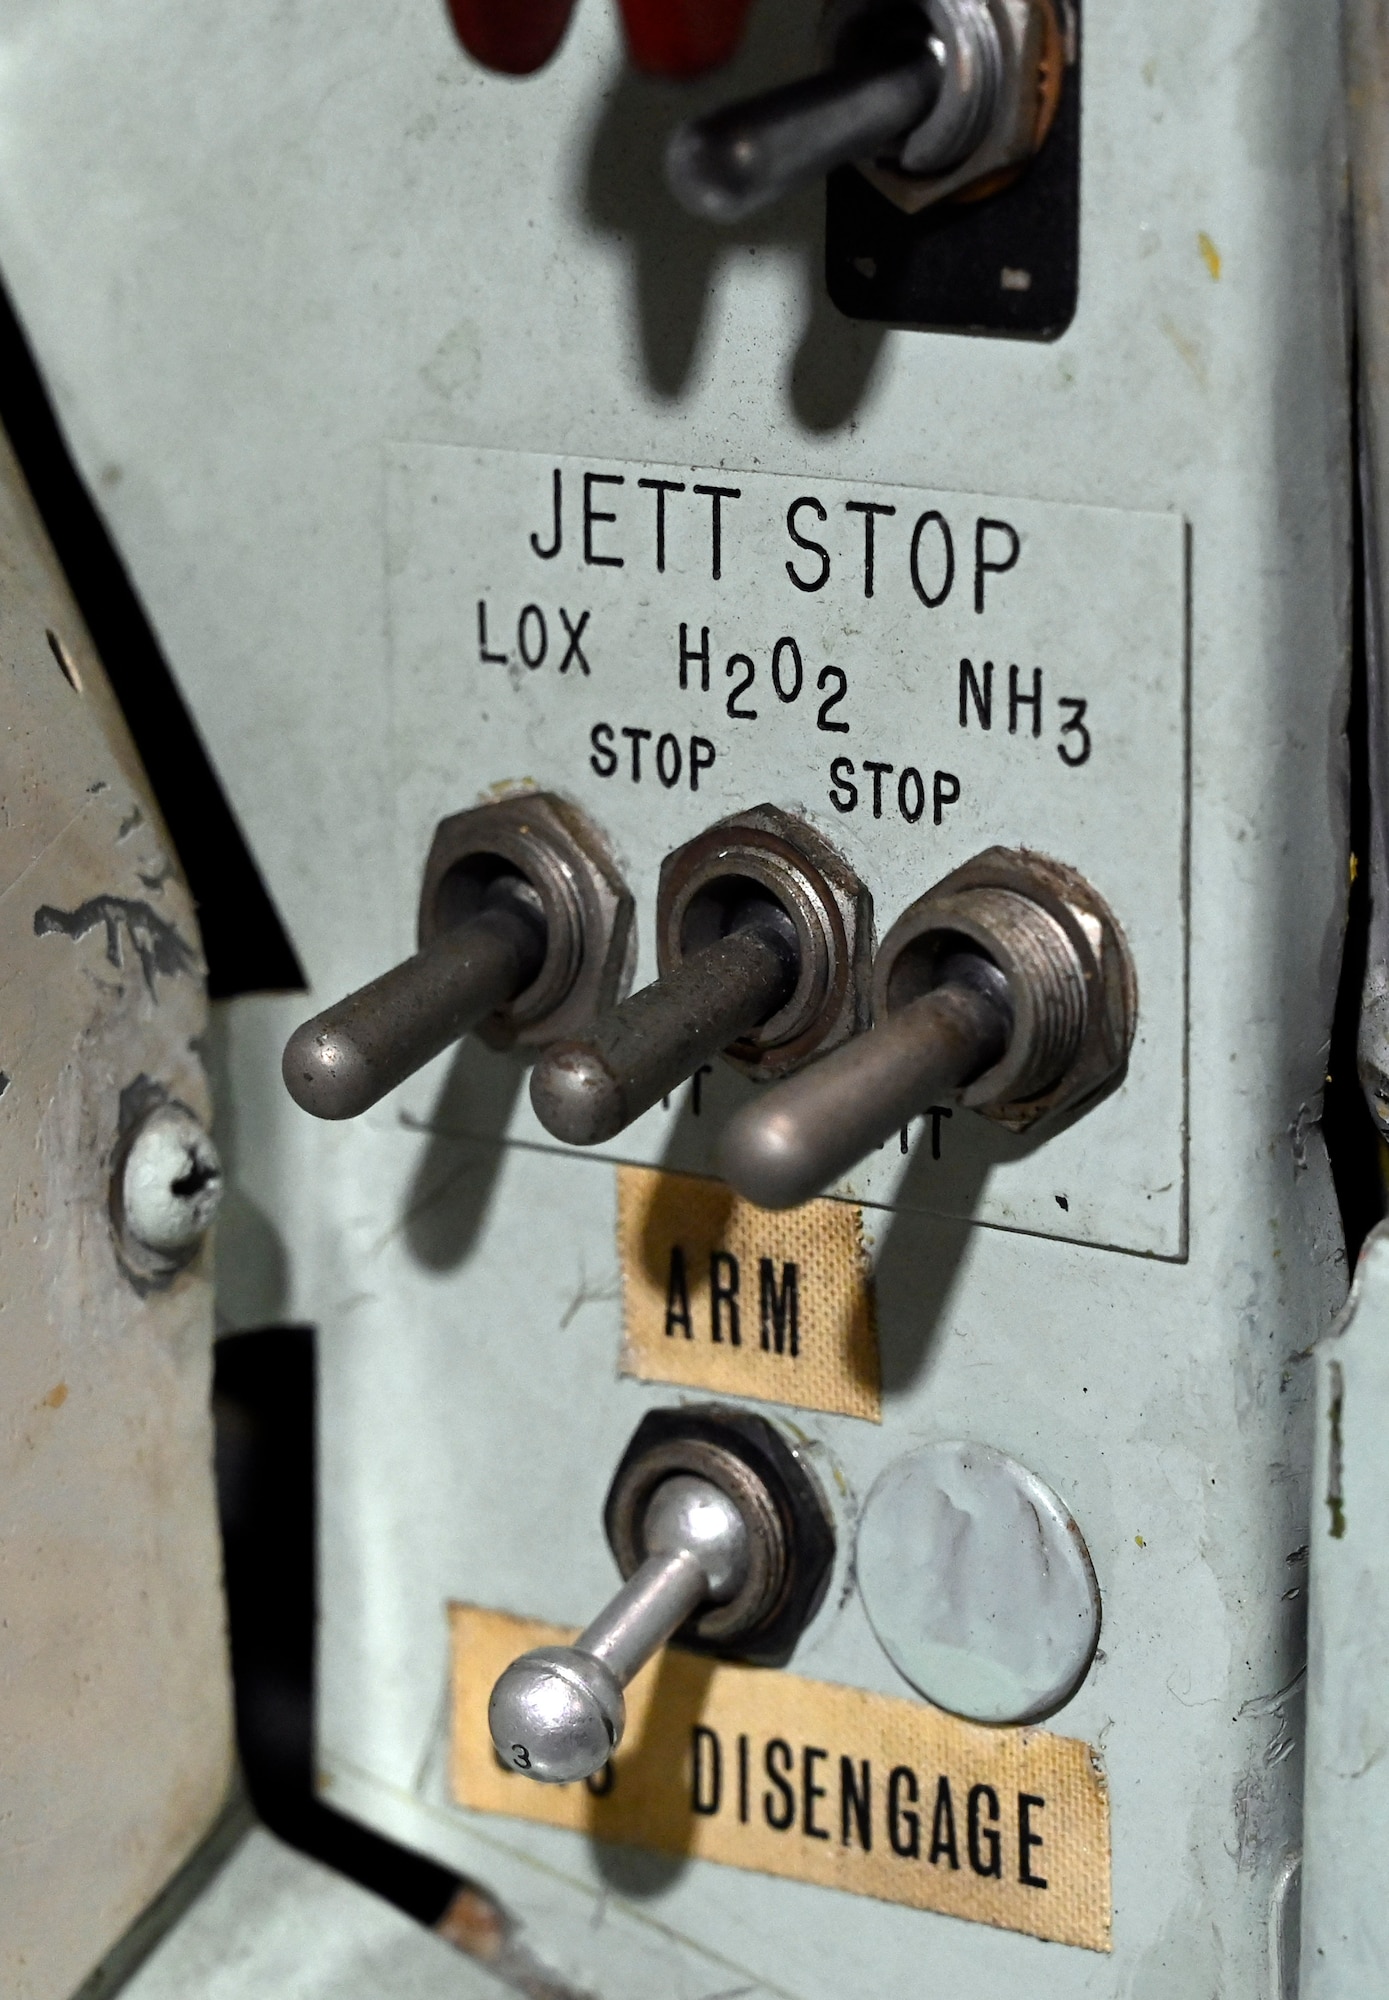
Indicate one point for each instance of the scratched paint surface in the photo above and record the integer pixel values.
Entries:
(115, 1715)
(272, 256)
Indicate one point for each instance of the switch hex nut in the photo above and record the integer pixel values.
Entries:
(790, 1536)
(765, 850)
(586, 906)
(1070, 979)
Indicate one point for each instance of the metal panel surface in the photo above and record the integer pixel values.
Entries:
(115, 1724)
(1345, 1932)
(275, 1923)
(260, 254)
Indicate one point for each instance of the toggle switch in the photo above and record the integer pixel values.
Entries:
(589, 1091)
(515, 37)
(884, 80)
(723, 1537)
(934, 94)
(557, 1713)
(1007, 988)
(763, 936)
(525, 931)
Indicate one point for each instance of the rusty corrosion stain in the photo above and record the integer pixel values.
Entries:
(476, 1924)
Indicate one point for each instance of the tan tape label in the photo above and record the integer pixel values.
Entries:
(720, 1295)
(819, 1783)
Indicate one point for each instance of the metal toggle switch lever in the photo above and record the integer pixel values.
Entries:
(723, 1536)
(343, 1060)
(760, 945)
(1007, 988)
(803, 1135)
(524, 930)
(558, 1713)
(886, 77)
(585, 1092)
(924, 97)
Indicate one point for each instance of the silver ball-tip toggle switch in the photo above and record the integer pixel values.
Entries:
(1007, 988)
(724, 1537)
(558, 1713)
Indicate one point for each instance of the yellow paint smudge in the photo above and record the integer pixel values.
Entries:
(1210, 256)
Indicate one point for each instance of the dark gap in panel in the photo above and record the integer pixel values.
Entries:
(1352, 1140)
(264, 1403)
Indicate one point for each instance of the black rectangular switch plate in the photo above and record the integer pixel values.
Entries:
(1008, 264)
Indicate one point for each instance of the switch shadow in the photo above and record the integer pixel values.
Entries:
(702, 1106)
(677, 261)
(928, 1233)
(678, 1699)
(452, 1185)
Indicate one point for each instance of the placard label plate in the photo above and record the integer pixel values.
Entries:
(720, 1295)
(815, 1782)
(919, 674)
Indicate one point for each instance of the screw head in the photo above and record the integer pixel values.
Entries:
(169, 1185)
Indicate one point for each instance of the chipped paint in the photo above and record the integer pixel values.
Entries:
(154, 940)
